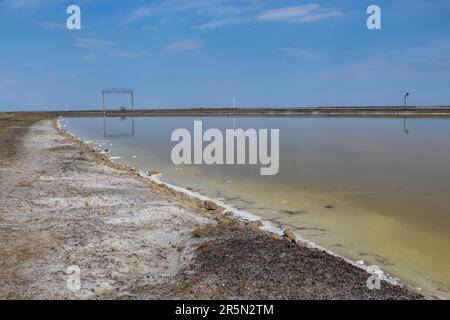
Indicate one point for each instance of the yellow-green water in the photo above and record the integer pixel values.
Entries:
(372, 189)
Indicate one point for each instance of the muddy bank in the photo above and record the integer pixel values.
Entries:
(63, 205)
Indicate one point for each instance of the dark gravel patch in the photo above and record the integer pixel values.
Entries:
(248, 264)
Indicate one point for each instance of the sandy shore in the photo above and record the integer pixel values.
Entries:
(62, 204)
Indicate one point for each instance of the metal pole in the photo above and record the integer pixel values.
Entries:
(103, 95)
(234, 107)
(406, 96)
(132, 101)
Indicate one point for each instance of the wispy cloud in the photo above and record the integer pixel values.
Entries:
(126, 54)
(214, 24)
(305, 13)
(51, 25)
(211, 25)
(89, 58)
(219, 23)
(301, 53)
(92, 43)
(15, 5)
(141, 13)
(183, 45)
(209, 8)
(428, 61)
(218, 7)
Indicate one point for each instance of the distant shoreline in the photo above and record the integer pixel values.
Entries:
(316, 111)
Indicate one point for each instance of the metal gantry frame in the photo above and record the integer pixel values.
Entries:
(117, 91)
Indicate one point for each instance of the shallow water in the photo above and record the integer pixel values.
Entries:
(372, 189)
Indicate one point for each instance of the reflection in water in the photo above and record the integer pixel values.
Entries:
(117, 135)
(354, 185)
(405, 130)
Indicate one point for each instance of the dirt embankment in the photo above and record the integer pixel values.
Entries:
(63, 205)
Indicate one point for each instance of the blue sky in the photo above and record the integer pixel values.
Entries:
(201, 53)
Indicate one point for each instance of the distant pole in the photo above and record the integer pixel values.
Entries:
(234, 107)
(103, 100)
(405, 97)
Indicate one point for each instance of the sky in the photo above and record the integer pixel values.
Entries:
(202, 53)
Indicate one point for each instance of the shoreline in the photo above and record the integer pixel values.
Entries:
(65, 203)
(394, 111)
(245, 217)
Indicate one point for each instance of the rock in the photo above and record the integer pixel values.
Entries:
(210, 205)
(289, 235)
(329, 207)
(152, 173)
(254, 225)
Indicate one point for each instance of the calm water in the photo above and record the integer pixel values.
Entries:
(372, 189)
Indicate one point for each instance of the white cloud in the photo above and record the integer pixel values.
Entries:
(222, 13)
(214, 24)
(183, 45)
(141, 13)
(305, 13)
(215, 8)
(299, 53)
(210, 25)
(429, 61)
(92, 43)
(126, 54)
